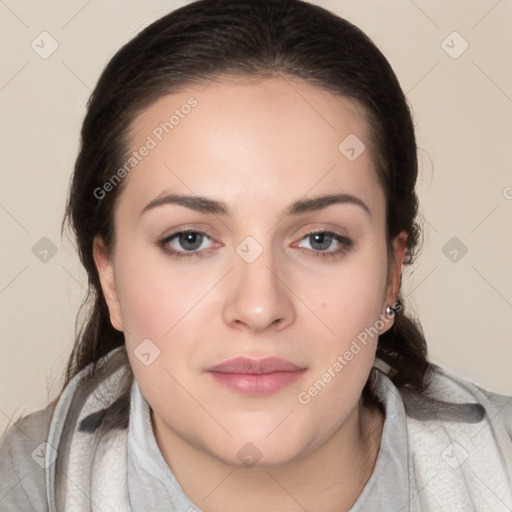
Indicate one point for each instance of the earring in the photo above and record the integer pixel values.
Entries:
(390, 311)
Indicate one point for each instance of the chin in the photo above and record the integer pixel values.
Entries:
(261, 451)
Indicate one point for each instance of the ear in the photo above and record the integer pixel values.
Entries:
(107, 280)
(395, 273)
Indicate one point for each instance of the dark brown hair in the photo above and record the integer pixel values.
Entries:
(259, 38)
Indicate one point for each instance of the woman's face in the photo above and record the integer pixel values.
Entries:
(268, 268)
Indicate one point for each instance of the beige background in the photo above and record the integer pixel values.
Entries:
(462, 108)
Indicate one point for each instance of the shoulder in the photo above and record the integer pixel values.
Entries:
(458, 437)
(22, 462)
(25, 447)
(497, 406)
(455, 399)
(501, 405)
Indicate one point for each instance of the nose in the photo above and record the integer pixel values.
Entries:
(258, 297)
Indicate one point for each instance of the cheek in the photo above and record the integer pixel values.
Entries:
(157, 297)
(351, 306)
(166, 302)
(159, 308)
(351, 297)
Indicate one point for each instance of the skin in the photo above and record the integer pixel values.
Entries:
(258, 146)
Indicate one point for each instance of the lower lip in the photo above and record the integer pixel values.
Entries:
(257, 384)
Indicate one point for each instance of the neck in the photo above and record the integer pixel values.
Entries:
(329, 479)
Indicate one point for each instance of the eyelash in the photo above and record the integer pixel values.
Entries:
(345, 245)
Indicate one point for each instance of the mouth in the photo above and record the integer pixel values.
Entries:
(256, 376)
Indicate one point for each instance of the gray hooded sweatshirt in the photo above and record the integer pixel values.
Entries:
(95, 450)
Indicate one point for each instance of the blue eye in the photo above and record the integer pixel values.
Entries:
(187, 244)
(322, 243)
(184, 244)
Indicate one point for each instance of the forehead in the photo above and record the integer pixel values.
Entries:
(274, 139)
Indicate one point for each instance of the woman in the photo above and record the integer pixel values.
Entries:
(243, 203)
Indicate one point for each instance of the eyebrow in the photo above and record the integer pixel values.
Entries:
(205, 205)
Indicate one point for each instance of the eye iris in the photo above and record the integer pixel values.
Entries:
(322, 240)
(190, 241)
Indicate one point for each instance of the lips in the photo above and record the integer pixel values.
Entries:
(256, 376)
(255, 366)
